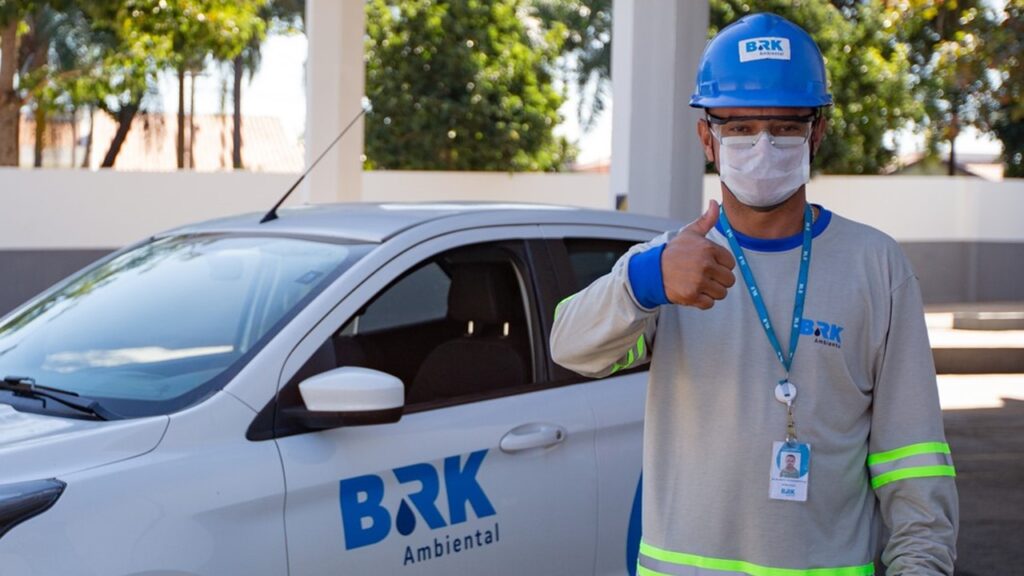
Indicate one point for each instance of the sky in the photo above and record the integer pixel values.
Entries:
(278, 89)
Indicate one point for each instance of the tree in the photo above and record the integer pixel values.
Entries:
(587, 48)
(52, 57)
(284, 16)
(10, 102)
(1008, 118)
(461, 85)
(951, 50)
(869, 72)
(184, 33)
(122, 67)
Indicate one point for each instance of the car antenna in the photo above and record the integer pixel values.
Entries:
(272, 215)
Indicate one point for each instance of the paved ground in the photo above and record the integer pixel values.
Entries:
(984, 417)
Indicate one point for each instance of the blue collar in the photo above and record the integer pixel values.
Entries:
(780, 244)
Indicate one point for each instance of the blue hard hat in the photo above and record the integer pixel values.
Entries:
(761, 60)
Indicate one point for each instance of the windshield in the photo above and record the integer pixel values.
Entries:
(162, 325)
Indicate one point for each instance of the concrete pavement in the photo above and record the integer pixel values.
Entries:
(979, 354)
(984, 417)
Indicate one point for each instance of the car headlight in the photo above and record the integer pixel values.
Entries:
(23, 500)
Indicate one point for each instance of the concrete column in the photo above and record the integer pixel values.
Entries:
(622, 95)
(656, 156)
(335, 83)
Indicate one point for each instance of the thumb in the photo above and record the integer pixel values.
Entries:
(706, 222)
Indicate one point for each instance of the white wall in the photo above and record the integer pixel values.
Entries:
(581, 189)
(921, 208)
(51, 209)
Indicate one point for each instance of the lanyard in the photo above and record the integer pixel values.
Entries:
(762, 310)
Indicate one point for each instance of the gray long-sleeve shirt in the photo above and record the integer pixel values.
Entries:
(880, 471)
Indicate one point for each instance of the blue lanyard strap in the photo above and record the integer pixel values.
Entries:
(755, 293)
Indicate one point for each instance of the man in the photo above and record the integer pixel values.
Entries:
(790, 471)
(857, 401)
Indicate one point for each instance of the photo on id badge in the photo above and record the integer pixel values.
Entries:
(790, 471)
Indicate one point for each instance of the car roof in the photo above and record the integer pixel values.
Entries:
(376, 222)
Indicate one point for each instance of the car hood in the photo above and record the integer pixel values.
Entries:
(34, 446)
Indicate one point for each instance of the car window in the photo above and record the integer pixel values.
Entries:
(422, 296)
(592, 258)
(454, 328)
(155, 327)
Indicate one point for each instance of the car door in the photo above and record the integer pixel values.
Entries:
(581, 254)
(490, 469)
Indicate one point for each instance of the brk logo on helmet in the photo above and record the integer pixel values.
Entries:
(765, 48)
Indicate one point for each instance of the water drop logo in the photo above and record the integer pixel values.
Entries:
(825, 333)
(405, 520)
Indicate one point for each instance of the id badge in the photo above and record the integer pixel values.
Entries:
(790, 474)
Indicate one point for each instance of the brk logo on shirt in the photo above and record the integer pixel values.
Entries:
(824, 333)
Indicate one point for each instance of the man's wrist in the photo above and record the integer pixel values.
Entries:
(645, 277)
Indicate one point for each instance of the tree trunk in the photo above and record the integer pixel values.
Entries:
(192, 121)
(87, 160)
(236, 132)
(9, 102)
(124, 124)
(39, 44)
(181, 117)
(952, 156)
(74, 136)
(39, 115)
(954, 132)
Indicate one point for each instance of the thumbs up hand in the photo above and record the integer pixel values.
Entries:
(695, 270)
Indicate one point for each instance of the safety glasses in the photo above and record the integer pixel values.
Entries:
(746, 131)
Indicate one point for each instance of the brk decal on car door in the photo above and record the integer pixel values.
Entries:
(367, 521)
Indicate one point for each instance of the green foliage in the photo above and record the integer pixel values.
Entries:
(107, 54)
(893, 64)
(587, 49)
(183, 33)
(461, 85)
(69, 49)
(1008, 118)
(953, 47)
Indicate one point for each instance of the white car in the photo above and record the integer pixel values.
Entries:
(349, 389)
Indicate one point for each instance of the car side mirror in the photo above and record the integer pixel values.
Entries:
(349, 396)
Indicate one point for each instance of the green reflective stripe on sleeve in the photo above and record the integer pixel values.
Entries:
(558, 306)
(917, 472)
(629, 362)
(631, 357)
(641, 571)
(911, 450)
(682, 559)
(916, 461)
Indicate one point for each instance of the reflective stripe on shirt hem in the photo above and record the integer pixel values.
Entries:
(655, 561)
(923, 460)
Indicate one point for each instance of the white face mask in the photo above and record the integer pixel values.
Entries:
(763, 175)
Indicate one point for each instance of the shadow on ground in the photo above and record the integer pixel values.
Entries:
(988, 451)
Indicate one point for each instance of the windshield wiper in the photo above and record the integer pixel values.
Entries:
(26, 387)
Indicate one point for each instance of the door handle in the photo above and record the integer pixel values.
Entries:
(532, 435)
